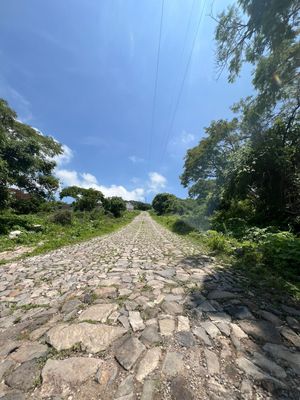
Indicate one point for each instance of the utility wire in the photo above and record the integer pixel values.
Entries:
(169, 131)
(155, 85)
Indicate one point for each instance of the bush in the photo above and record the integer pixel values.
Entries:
(281, 252)
(218, 242)
(10, 222)
(115, 205)
(181, 227)
(62, 217)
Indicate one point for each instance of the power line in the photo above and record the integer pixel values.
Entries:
(169, 131)
(155, 85)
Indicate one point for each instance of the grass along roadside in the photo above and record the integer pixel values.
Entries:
(51, 236)
(271, 265)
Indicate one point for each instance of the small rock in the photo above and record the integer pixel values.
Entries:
(136, 321)
(148, 390)
(271, 318)
(128, 353)
(212, 361)
(211, 329)
(239, 312)
(125, 388)
(166, 326)
(150, 335)
(183, 323)
(171, 307)
(179, 389)
(107, 373)
(98, 312)
(201, 334)
(148, 363)
(106, 292)
(185, 339)
(291, 336)
(14, 234)
(173, 364)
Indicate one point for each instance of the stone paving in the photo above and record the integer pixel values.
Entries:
(141, 314)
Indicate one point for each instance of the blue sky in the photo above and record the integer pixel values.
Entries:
(83, 71)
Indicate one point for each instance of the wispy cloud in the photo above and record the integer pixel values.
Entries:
(136, 159)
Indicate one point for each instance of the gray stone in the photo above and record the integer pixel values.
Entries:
(98, 312)
(173, 364)
(201, 334)
(219, 317)
(5, 367)
(239, 312)
(93, 338)
(271, 318)
(70, 306)
(179, 389)
(107, 373)
(256, 373)
(291, 310)
(29, 351)
(148, 363)
(221, 295)
(25, 377)
(291, 336)
(136, 321)
(148, 390)
(205, 306)
(150, 335)
(13, 395)
(166, 326)
(212, 361)
(183, 323)
(281, 352)
(211, 329)
(57, 374)
(185, 339)
(128, 353)
(268, 365)
(125, 388)
(171, 307)
(262, 331)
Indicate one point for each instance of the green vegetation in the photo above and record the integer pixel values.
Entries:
(52, 235)
(29, 214)
(244, 175)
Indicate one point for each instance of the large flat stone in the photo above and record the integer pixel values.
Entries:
(29, 351)
(25, 377)
(93, 338)
(98, 312)
(281, 352)
(70, 372)
(221, 295)
(128, 353)
(262, 331)
(136, 321)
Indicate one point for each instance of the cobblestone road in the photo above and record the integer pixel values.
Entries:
(141, 314)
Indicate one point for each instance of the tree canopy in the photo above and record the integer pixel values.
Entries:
(26, 157)
(84, 199)
(254, 158)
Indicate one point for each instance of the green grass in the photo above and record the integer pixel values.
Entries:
(271, 265)
(52, 236)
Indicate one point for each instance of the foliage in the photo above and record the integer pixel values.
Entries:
(165, 203)
(115, 205)
(62, 217)
(26, 157)
(53, 235)
(139, 205)
(85, 199)
(264, 33)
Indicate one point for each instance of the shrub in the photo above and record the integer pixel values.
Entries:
(115, 205)
(10, 222)
(281, 252)
(181, 227)
(218, 242)
(62, 217)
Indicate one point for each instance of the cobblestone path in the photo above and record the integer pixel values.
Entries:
(141, 314)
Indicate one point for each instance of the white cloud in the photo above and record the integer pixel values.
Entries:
(157, 182)
(65, 157)
(87, 180)
(187, 138)
(135, 159)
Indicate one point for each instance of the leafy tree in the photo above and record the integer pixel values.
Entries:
(139, 205)
(264, 33)
(85, 199)
(165, 203)
(115, 205)
(26, 157)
